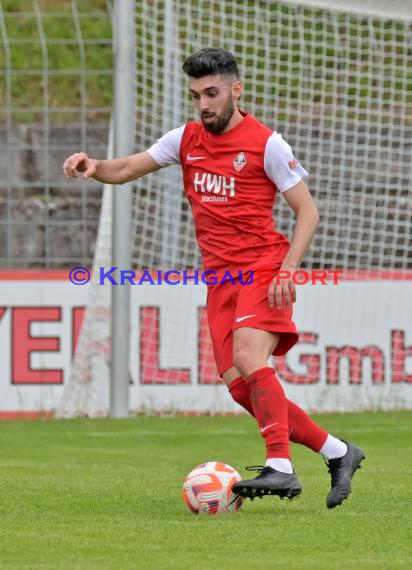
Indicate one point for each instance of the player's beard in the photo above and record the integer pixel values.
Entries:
(222, 119)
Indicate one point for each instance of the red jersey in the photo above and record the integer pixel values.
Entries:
(231, 181)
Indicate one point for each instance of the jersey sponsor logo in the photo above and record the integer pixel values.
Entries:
(240, 319)
(214, 184)
(239, 161)
(215, 198)
(293, 163)
(189, 157)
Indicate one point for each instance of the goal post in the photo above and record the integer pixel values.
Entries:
(334, 78)
(124, 124)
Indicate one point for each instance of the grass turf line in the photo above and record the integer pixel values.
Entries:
(106, 494)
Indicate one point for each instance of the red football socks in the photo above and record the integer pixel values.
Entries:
(240, 393)
(270, 410)
(302, 429)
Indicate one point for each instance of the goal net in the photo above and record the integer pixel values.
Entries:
(337, 84)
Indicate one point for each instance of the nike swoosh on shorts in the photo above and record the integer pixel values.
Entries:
(240, 319)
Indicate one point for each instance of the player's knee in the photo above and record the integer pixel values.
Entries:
(245, 360)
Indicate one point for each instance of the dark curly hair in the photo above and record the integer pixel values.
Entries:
(211, 61)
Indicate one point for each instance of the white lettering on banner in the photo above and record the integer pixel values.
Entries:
(339, 364)
(214, 183)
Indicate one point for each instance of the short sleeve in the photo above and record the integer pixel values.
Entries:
(165, 150)
(280, 165)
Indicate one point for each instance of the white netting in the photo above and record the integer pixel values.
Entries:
(337, 85)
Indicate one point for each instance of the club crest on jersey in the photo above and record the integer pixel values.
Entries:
(239, 161)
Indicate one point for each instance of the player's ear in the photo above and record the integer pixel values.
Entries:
(237, 89)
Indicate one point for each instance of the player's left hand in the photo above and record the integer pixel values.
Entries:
(282, 291)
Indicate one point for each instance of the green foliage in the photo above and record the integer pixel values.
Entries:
(106, 494)
(58, 60)
(289, 56)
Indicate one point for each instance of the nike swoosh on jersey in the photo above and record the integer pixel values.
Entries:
(240, 319)
(195, 157)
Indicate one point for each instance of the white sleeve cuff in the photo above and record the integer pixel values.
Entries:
(280, 164)
(166, 150)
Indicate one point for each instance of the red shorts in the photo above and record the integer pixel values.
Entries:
(228, 305)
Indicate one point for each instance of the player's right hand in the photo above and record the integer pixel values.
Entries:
(79, 162)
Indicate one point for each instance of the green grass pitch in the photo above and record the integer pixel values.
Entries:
(106, 494)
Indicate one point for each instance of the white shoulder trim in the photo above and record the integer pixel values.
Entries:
(280, 165)
(165, 150)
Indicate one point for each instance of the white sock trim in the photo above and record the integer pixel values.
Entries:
(333, 448)
(280, 464)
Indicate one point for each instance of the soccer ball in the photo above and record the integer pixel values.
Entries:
(208, 489)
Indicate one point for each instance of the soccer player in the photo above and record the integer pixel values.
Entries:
(233, 168)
